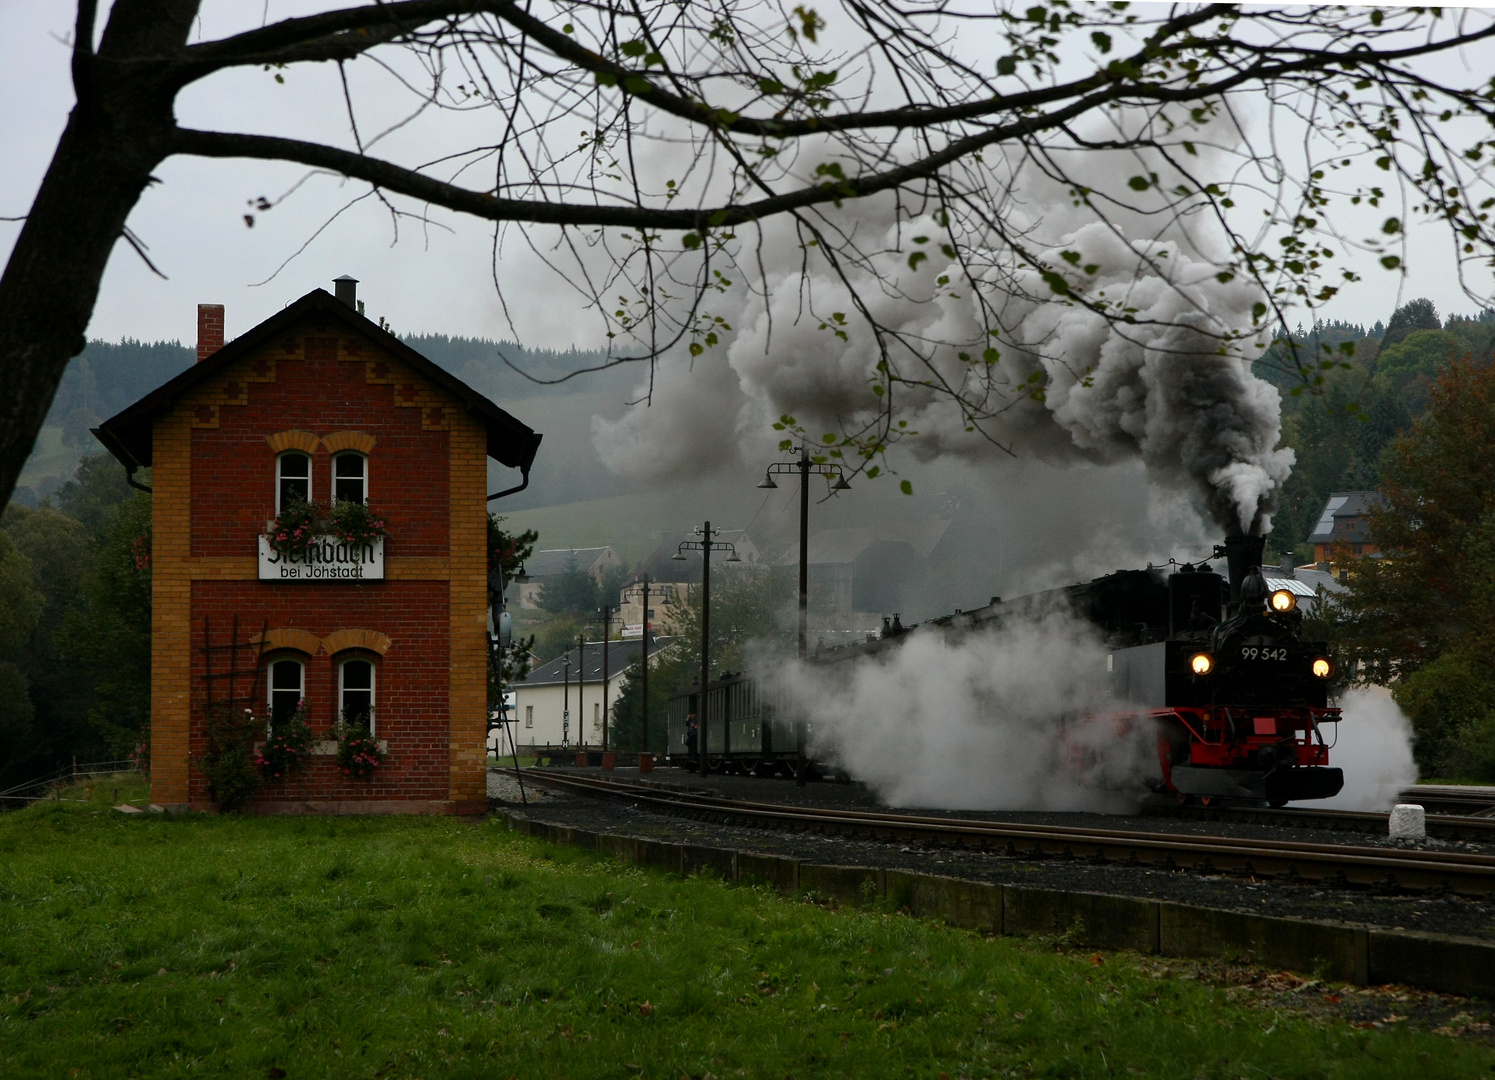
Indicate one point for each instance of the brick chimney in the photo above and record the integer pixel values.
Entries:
(209, 330)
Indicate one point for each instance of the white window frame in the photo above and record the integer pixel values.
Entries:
(270, 687)
(342, 667)
(332, 472)
(280, 476)
(529, 716)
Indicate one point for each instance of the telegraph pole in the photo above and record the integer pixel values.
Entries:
(566, 702)
(581, 678)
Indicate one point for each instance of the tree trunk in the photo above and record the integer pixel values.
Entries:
(118, 132)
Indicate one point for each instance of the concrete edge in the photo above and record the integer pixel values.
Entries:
(1342, 952)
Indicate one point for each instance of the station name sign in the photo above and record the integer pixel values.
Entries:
(326, 560)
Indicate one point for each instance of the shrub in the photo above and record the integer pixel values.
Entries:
(230, 762)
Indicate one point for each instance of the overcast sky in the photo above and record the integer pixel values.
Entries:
(433, 280)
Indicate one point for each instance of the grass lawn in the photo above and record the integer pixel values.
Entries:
(424, 947)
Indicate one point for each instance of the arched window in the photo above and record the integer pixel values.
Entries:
(292, 479)
(350, 477)
(356, 695)
(287, 688)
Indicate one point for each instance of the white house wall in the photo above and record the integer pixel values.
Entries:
(538, 713)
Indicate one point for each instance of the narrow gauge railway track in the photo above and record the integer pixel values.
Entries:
(1439, 826)
(1331, 865)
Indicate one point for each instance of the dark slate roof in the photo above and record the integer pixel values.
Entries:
(619, 655)
(127, 435)
(1344, 517)
(559, 560)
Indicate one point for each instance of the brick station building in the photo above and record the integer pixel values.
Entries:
(319, 402)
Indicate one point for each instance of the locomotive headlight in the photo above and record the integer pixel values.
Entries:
(1323, 667)
(1283, 601)
(1201, 663)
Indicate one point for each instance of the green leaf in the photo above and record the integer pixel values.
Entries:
(770, 86)
(1391, 226)
(691, 240)
(633, 48)
(1071, 257)
(1102, 41)
(1139, 183)
(1390, 262)
(606, 78)
(916, 258)
(991, 356)
(1007, 65)
(829, 438)
(907, 487)
(1258, 309)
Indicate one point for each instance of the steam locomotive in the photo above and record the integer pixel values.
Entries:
(1216, 666)
(1238, 698)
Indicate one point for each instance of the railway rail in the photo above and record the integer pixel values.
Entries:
(1451, 799)
(1446, 826)
(1330, 865)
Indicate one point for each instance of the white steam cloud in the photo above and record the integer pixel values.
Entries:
(1374, 749)
(976, 723)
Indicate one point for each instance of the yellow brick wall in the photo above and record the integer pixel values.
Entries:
(171, 606)
(469, 610)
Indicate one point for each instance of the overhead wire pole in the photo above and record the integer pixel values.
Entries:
(704, 546)
(805, 467)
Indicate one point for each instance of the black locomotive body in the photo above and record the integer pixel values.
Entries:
(1239, 700)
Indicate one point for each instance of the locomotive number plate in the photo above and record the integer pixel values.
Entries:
(1253, 652)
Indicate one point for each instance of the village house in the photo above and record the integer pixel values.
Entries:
(544, 567)
(320, 405)
(572, 682)
(1345, 521)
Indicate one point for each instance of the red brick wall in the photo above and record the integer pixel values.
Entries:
(411, 679)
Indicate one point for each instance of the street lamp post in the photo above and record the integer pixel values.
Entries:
(643, 585)
(581, 679)
(805, 467)
(606, 616)
(704, 546)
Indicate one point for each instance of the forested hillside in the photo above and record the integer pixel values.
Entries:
(108, 376)
(1377, 382)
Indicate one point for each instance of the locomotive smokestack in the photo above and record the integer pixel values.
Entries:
(1242, 555)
